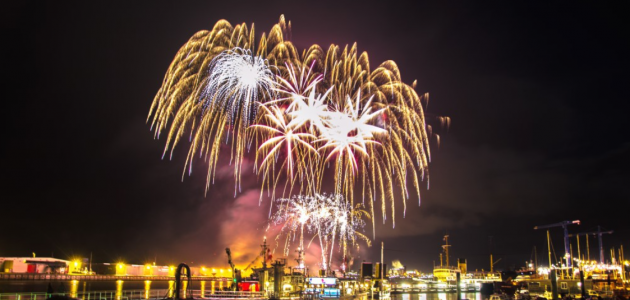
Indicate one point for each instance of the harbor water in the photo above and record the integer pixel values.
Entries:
(76, 286)
(437, 296)
(119, 288)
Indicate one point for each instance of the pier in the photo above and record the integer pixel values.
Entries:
(56, 277)
(137, 295)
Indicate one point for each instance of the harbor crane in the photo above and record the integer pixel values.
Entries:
(599, 234)
(564, 225)
(263, 254)
(253, 261)
(229, 255)
(234, 270)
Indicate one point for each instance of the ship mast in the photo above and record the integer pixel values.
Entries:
(549, 249)
(300, 259)
(381, 268)
(445, 247)
(264, 253)
(535, 259)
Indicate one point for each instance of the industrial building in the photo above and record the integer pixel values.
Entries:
(37, 265)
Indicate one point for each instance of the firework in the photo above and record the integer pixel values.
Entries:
(281, 137)
(328, 217)
(302, 113)
(235, 82)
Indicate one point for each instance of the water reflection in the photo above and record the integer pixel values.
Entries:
(437, 296)
(171, 288)
(184, 288)
(119, 289)
(74, 287)
(147, 289)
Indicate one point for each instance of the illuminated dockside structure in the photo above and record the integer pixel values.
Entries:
(591, 277)
(444, 278)
(37, 265)
(82, 266)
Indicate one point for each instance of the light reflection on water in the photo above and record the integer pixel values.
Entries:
(171, 288)
(147, 288)
(76, 287)
(119, 289)
(121, 286)
(437, 296)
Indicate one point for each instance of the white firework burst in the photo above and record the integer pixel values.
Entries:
(311, 110)
(348, 130)
(329, 217)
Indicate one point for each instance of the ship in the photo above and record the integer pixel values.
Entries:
(448, 278)
(445, 278)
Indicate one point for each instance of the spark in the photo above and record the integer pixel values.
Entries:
(302, 111)
(348, 130)
(329, 217)
(310, 110)
(235, 80)
(276, 135)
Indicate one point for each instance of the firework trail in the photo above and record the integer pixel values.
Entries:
(328, 217)
(308, 116)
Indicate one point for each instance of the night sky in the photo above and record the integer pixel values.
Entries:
(538, 96)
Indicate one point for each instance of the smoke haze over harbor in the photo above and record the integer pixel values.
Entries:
(536, 94)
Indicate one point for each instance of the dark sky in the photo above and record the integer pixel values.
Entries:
(538, 95)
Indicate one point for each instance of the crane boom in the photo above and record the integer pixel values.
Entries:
(591, 233)
(253, 261)
(560, 224)
(234, 271)
(564, 225)
(229, 255)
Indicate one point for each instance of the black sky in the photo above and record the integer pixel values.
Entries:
(538, 95)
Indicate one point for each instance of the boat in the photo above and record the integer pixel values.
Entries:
(522, 294)
(498, 296)
(380, 294)
(445, 272)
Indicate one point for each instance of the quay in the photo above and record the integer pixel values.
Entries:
(138, 295)
(31, 276)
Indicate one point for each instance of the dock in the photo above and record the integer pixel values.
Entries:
(55, 277)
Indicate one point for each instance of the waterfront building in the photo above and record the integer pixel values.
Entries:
(38, 265)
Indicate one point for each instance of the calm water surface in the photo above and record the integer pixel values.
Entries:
(437, 296)
(74, 286)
